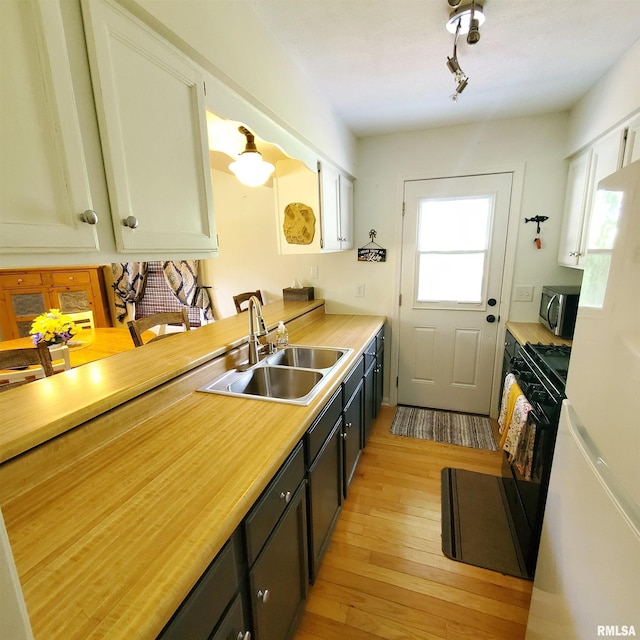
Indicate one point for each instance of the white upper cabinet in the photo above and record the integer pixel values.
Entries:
(585, 172)
(44, 188)
(151, 114)
(314, 210)
(336, 208)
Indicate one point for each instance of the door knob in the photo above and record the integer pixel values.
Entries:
(491, 318)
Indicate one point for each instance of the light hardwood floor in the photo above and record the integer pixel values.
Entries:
(384, 574)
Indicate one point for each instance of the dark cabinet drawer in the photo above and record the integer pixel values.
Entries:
(204, 606)
(321, 428)
(271, 505)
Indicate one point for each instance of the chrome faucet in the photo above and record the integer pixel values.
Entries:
(257, 328)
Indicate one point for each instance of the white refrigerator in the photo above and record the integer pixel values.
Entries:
(587, 580)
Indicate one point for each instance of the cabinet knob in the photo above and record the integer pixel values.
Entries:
(263, 596)
(349, 425)
(20, 280)
(286, 496)
(244, 635)
(575, 254)
(89, 217)
(131, 222)
(344, 436)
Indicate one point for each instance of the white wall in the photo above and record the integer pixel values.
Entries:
(384, 162)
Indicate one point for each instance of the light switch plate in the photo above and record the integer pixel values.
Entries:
(523, 293)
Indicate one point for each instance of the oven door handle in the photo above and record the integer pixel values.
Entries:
(553, 297)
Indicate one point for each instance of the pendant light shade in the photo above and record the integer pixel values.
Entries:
(250, 168)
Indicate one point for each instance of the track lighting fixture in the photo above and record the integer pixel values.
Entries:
(459, 75)
(250, 168)
(464, 19)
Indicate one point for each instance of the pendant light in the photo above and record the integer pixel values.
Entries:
(250, 168)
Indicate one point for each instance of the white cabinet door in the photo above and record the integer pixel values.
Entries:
(151, 114)
(632, 147)
(346, 212)
(44, 188)
(574, 209)
(585, 172)
(329, 207)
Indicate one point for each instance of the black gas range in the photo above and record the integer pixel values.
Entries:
(541, 372)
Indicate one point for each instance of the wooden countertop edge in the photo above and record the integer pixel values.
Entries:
(19, 433)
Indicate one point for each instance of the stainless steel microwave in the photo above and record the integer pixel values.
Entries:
(558, 309)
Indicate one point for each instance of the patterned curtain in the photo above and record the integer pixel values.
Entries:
(182, 278)
(129, 279)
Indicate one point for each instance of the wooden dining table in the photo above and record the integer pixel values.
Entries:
(89, 345)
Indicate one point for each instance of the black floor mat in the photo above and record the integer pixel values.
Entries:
(476, 524)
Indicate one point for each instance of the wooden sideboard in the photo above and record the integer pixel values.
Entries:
(26, 293)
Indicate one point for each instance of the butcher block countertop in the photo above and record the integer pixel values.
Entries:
(534, 332)
(130, 481)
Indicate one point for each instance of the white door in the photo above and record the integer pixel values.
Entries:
(454, 237)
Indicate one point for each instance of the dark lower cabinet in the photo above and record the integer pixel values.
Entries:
(279, 579)
(325, 497)
(373, 384)
(205, 606)
(352, 436)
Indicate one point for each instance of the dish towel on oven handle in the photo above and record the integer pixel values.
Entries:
(518, 433)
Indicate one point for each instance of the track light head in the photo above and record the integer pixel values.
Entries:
(474, 32)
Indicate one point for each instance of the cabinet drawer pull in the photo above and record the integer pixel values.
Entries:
(263, 596)
(286, 496)
(89, 217)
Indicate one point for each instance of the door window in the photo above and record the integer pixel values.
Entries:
(452, 247)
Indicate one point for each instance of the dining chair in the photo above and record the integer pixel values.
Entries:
(241, 298)
(16, 363)
(84, 319)
(157, 321)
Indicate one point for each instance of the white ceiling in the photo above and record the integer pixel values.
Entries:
(382, 63)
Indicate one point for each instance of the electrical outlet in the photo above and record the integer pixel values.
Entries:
(360, 290)
(523, 293)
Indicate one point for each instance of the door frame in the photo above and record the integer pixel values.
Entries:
(518, 171)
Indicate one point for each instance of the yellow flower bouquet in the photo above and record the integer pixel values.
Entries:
(53, 327)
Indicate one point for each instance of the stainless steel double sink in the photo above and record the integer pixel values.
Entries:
(293, 375)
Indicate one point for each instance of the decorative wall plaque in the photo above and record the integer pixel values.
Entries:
(299, 223)
(372, 251)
